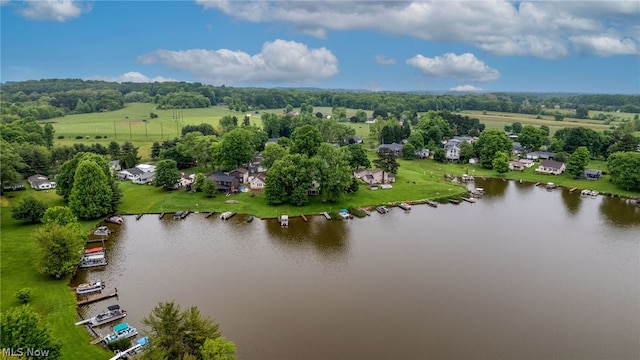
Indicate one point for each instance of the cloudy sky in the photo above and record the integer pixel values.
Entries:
(539, 46)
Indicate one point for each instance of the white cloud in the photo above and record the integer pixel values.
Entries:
(464, 67)
(604, 45)
(279, 61)
(544, 29)
(132, 76)
(56, 10)
(383, 60)
(466, 88)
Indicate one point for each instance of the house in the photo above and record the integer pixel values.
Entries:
(591, 174)
(256, 165)
(526, 162)
(185, 181)
(241, 173)
(516, 166)
(422, 154)
(517, 148)
(40, 182)
(375, 176)
(452, 147)
(543, 155)
(144, 178)
(353, 140)
(371, 121)
(257, 182)
(551, 167)
(130, 174)
(146, 167)
(394, 148)
(314, 190)
(224, 182)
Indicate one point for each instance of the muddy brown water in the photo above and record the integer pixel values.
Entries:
(524, 273)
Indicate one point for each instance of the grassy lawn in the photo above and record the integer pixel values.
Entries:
(52, 299)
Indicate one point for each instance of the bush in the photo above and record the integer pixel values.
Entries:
(23, 295)
(79, 137)
(60, 136)
(153, 115)
(122, 344)
(98, 137)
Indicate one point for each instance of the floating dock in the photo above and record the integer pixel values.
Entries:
(573, 189)
(304, 218)
(98, 298)
(139, 216)
(161, 216)
(326, 215)
(469, 200)
(209, 214)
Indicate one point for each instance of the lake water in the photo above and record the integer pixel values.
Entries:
(522, 273)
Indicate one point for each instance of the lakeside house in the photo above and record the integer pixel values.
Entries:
(241, 174)
(516, 166)
(551, 167)
(224, 182)
(40, 182)
(135, 172)
(541, 155)
(422, 154)
(257, 181)
(374, 176)
(394, 148)
(452, 147)
(145, 178)
(591, 174)
(526, 162)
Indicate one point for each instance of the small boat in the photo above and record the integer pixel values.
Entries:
(386, 186)
(113, 313)
(177, 215)
(185, 214)
(382, 209)
(227, 215)
(405, 205)
(94, 251)
(551, 186)
(284, 220)
(93, 260)
(89, 288)
(469, 200)
(250, 218)
(102, 231)
(121, 331)
(345, 214)
(454, 201)
(116, 219)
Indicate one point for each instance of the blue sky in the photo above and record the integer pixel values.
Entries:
(537, 46)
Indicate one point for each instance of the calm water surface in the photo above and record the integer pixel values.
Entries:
(523, 273)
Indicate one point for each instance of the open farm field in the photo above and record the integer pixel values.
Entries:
(527, 119)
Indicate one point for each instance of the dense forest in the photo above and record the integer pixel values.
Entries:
(44, 99)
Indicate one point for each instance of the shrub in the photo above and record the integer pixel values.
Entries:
(79, 137)
(23, 295)
(122, 344)
(98, 137)
(153, 115)
(60, 136)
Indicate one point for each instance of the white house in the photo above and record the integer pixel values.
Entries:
(144, 178)
(516, 166)
(40, 182)
(241, 173)
(374, 176)
(452, 147)
(551, 167)
(130, 174)
(257, 182)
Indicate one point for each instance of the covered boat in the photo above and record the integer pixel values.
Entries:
(93, 260)
(113, 313)
(121, 331)
(89, 288)
(102, 231)
(94, 251)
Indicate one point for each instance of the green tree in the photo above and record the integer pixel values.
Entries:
(48, 135)
(289, 180)
(271, 153)
(361, 115)
(516, 127)
(113, 149)
(500, 162)
(167, 174)
(306, 140)
(61, 215)
(531, 138)
(578, 161)
(91, 195)
(417, 140)
(408, 151)
(59, 248)
(209, 188)
(582, 112)
(387, 161)
(228, 123)
(236, 148)
(356, 156)
(198, 182)
(624, 168)
(489, 143)
(22, 328)
(179, 333)
(218, 349)
(466, 152)
(439, 155)
(332, 172)
(11, 164)
(558, 116)
(29, 209)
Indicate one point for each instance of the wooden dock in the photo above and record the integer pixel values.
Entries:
(161, 216)
(139, 216)
(304, 218)
(209, 214)
(538, 183)
(573, 189)
(469, 200)
(98, 298)
(326, 215)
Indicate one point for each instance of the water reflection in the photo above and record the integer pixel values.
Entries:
(328, 238)
(571, 201)
(620, 212)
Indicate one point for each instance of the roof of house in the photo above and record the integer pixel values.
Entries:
(218, 176)
(392, 146)
(146, 176)
(542, 153)
(133, 171)
(239, 170)
(592, 172)
(552, 164)
(37, 179)
(516, 163)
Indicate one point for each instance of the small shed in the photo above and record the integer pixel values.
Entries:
(591, 174)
